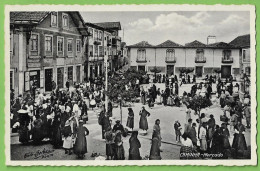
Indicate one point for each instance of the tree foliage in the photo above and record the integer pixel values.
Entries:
(117, 85)
(186, 70)
(199, 102)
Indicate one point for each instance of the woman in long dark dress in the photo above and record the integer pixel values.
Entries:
(119, 148)
(239, 141)
(155, 153)
(56, 125)
(217, 146)
(23, 131)
(134, 153)
(226, 144)
(109, 136)
(37, 135)
(143, 124)
(130, 119)
(80, 147)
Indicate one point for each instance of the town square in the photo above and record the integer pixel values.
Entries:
(83, 87)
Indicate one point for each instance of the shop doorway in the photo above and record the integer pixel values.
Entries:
(141, 68)
(60, 77)
(225, 71)
(78, 74)
(199, 70)
(48, 79)
(70, 75)
(170, 70)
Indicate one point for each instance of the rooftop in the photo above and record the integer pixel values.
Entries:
(220, 45)
(169, 43)
(109, 25)
(27, 16)
(241, 41)
(141, 44)
(195, 43)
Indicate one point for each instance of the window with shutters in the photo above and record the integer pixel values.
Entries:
(54, 19)
(34, 41)
(60, 45)
(48, 45)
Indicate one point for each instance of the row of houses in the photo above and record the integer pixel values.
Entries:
(169, 57)
(60, 46)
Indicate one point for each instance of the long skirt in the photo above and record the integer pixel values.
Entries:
(130, 122)
(143, 124)
(203, 145)
(93, 103)
(68, 143)
(37, 135)
(143, 100)
(57, 138)
(87, 102)
(135, 155)
(80, 146)
(239, 142)
(119, 152)
(24, 135)
(110, 149)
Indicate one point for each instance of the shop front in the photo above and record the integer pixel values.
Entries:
(48, 79)
(78, 73)
(60, 77)
(70, 75)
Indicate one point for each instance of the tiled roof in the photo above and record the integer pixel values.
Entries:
(110, 25)
(195, 43)
(169, 43)
(142, 44)
(241, 41)
(220, 45)
(27, 16)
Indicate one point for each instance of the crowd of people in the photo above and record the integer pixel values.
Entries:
(61, 118)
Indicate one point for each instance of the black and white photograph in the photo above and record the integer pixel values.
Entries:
(173, 84)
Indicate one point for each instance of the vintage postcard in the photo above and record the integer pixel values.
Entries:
(107, 85)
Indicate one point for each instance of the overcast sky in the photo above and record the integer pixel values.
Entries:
(181, 27)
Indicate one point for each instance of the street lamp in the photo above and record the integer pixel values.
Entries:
(120, 104)
(106, 83)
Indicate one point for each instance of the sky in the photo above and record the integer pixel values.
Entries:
(179, 26)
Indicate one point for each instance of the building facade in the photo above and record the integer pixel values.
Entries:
(170, 57)
(243, 42)
(115, 53)
(46, 46)
(104, 42)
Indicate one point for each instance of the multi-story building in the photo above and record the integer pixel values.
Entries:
(170, 57)
(124, 56)
(103, 42)
(243, 42)
(98, 48)
(115, 57)
(46, 46)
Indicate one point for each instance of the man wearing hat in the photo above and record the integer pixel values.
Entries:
(118, 127)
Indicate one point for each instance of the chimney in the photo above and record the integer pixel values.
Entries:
(211, 39)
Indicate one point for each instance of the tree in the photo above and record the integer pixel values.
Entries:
(199, 102)
(117, 85)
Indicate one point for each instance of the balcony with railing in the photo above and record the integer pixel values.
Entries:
(97, 41)
(170, 59)
(141, 60)
(109, 42)
(200, 59)
(227, 60)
